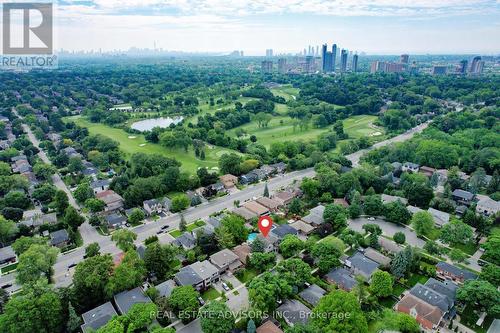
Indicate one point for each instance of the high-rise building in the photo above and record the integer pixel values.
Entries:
(334, 55)
(267, 66)
(473, 65)
(404, 58)
(462, 67)
(323, 57)
(343, 60)
(309, 64)
(328, 62)
(317, 50)
(269, 52)
(439, 69)
(354, 66)
(387, 67)
(282, 68)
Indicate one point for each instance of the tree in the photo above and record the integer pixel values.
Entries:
(74, 321)
(295, 271)
(456, 232)
(38, 309)
(372, 229)
(83, 192)
(35, 262)
(327, 255)
(404, 262)
(264, 291)
(91, 279)
(480, 294)
(72, 218)
(16, 199)
(491, 273)
(7, 230)
(95, 205)
(232, 231)
(290, 246)
(419, 194)
(128, 275)
(216, 318)
(61, 201)
(136, 216)
(295, 207)
(182, 224)
(92, 250)
(230, 163)
(492, 247)
(433, 248)
(124, 239)
(422, 222)
(23, 243)
(262, 261)
(180, 202)
(457, 255)
(381, 284)
(251, 328)
(399, 237)
(257, 245)
(396, 321)
(12, 213)
(339, 301)
(160, 259)
(396, 212)
(266, 191)
(184, 300)
(336, 215)
(372, 205)
(44, 171)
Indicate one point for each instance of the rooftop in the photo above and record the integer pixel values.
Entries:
(312, 294)
(294, 311)
(126, 299)
(98, 317)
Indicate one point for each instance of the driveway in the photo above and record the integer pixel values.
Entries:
(388, 228)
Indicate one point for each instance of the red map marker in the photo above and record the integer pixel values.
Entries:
(265, 224)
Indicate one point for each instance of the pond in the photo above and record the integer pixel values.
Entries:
(149, 124)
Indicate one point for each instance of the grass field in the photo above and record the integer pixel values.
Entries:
(280, 128)
(136, 143)
(286, 91)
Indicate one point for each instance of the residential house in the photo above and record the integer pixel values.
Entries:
(269, 327)
(389, 245)
(271, 242)
(226, 260)
(428, 316)
(229, 181)
(463, 197)
(37, 220)
(187, 241)
(261, 173)
(312, 294)
(126, 299)
(487, 206)
(376, 256)
(359, 264)
(437, 293)
(279, 167)
(342, 278)
(97, 317)
(440, 218)
(315, 216)
(410, 167)
(341, 201)
(112, 200)
(215, 221)
(450, 272)
(494, 327)
(302, 228)
(427, 171)
(283, 230)
(115, 220)
(200, 275)
(256, 208)
(7, 255)
(71, 152)
(100, 185)
(249, 178)
(284, 197)
(460, 210)
(386, 199)
(59, 238)
(294, 312)
(242, 251)
(413, 209)
(245, 213)
(156, 206)
(206, 229)
(270, 204)
(165, 288)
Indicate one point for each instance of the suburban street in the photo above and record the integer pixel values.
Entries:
(63, 275)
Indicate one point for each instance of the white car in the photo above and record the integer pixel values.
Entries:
(371, 218)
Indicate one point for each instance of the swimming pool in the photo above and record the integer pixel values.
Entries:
(251, 237)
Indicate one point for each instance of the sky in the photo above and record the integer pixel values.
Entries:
(286, 26)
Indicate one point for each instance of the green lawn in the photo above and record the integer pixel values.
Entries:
(416, 278)
(246, 275)
(359, 126)
(210, 294)
(135, 143)
(286, 91)
(8, 268)
(469, 248)
(469, 319)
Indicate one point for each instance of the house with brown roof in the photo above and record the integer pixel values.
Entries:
(427, 171)
(341, 201)
(245, 213)
(268, 327)
(229, 181)
(242, 251)
(302, 227)
(226, 260)
(378, 257)
(257, 208)
(112, 200)
(428, 316)
(284, 198)
(270, 204)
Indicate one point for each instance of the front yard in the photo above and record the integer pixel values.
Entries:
(246, 275)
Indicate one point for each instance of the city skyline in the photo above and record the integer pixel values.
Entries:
(381, 27)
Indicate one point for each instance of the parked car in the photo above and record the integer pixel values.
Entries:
(201, 300)
(225, 286)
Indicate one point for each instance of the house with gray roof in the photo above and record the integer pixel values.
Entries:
(126, 299)
(271, 242)
(376, 256)
(440, 218)
(214, 221)
(453, 273)
(342, 278)
(200, 275)
(312, 294)
(186, 241)
(226, 260)
(97, 317)
(59, 238)
(487, 206)
(165, 288)
(386, 199)
(116, 220)
(100, 185)
(294, 312)
(282, 230)
(7, 255)
(156, 206)
(410, 167)
(413, 209)
(463, 197)
(315, 216)
(188, 277)
(359, 264)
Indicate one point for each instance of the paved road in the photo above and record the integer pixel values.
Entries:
(62, 276)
